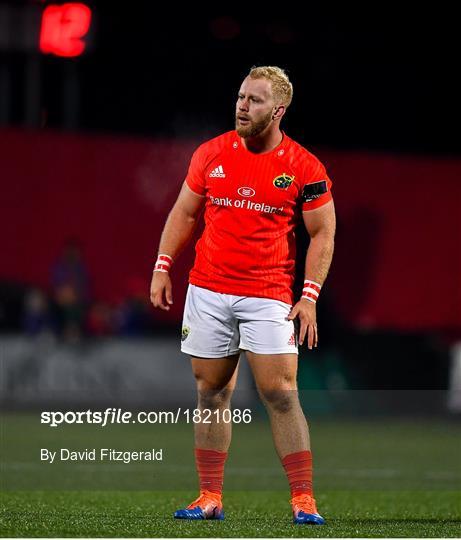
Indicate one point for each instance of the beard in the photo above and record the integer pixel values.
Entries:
(253, 128)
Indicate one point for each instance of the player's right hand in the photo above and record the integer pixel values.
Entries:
(161, 290)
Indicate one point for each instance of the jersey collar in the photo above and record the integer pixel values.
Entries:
(278, 150)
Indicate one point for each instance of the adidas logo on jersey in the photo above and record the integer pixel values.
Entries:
(218, 172)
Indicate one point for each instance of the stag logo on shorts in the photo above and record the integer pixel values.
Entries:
(283, 181)
(184, 333)
(246, 191)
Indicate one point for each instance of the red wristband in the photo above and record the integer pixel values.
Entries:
(311, 290)
(163, 263)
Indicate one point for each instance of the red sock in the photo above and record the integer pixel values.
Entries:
(210, 468)
(298, 467)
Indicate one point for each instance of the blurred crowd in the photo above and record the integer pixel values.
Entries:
(68, 311)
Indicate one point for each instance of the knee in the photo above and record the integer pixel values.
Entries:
(214, 399)
(279, 400)
(212, 395)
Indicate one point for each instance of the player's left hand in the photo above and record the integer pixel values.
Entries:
(306, 313)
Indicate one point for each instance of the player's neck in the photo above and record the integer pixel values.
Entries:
(264, 142)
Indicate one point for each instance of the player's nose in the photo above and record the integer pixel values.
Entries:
(243, 105)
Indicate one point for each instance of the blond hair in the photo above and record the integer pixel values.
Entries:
(282, 89)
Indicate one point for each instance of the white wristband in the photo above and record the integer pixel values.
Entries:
(163, 263)
(311, 290)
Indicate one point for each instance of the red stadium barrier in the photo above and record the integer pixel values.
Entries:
(397, 263)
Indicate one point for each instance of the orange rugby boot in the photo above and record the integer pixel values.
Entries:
(305, 510)
(207, 505)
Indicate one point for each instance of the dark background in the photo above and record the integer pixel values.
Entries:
(379, 78)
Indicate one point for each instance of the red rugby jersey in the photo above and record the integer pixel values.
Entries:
(253, 204)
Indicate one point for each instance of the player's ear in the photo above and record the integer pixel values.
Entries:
(279, 111)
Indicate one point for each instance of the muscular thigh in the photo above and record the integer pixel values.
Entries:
(215, 373)
(274, 371)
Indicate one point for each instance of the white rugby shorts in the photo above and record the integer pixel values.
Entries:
(216, 325)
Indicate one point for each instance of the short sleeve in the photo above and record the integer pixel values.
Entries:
(316, 187)
(195, 178)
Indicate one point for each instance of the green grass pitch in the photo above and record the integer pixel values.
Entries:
(264, 514)
(379, 478)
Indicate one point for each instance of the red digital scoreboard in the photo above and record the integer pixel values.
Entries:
(63, 29)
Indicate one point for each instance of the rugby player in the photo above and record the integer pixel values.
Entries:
(256, 184)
